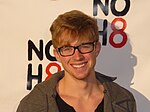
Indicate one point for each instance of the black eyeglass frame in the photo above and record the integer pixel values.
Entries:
(78, 48)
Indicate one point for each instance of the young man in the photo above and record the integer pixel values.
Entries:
(78, 88)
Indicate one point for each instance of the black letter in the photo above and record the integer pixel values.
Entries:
(121, 13)
(39, 52)
(104, 8)
(31, 76)
(47, 51)
(104, 33)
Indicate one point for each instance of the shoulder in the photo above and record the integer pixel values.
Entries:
(117, 91)
(120, 97)
(113, 88)
(32, 101)
(37, 98)
(45, 87)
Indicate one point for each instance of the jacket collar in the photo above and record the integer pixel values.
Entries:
(113, 102)
(50, 91)
(121, 104)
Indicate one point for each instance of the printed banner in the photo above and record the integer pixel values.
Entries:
(27, 53)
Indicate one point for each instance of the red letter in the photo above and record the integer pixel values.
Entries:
(118, 31)
(48, 68)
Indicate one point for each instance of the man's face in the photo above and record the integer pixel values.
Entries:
(78, 65)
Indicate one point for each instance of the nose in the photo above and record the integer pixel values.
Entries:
(77, 55)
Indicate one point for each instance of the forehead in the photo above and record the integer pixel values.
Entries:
(73, 38)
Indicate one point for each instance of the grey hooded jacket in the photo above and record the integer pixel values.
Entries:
(42, 97)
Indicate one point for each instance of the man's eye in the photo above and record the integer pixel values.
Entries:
(86, 46)
(67, 48)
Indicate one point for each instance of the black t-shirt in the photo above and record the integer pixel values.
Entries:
(64, 107)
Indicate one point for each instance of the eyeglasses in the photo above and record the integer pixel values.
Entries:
(83, 49)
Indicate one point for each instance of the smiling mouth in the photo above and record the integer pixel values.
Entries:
(78, 65)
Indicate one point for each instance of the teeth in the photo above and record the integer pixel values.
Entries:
(78, 66)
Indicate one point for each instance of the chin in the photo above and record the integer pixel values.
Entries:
(80, 76)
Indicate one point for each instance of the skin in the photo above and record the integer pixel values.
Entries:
(79, 87)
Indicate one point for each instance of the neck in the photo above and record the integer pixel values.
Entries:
(79, 88)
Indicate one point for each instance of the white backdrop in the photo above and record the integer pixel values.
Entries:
(24, 20)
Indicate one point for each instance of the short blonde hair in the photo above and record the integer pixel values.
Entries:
(76, 25)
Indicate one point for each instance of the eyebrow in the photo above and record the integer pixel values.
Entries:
(77, 45)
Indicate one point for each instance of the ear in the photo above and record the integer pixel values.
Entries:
(98, 48)
(57, 56)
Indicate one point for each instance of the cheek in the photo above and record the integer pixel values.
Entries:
(64, 60)
(92, 58)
